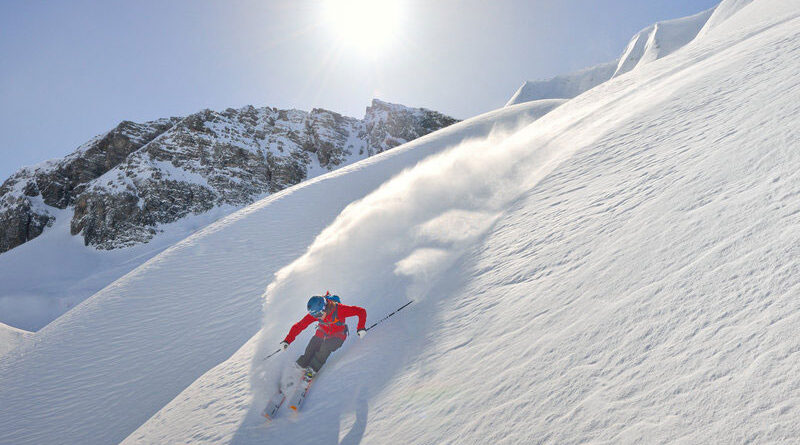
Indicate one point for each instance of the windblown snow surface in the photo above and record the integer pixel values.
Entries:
(48, 275)
(621, 270)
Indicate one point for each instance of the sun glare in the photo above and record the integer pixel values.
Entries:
(366, 25)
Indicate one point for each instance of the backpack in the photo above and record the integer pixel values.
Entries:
(335, 298)
(335, 320)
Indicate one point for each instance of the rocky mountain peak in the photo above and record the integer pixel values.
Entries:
(123, 184)
(389, 125)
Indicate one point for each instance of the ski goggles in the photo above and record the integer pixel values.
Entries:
(318, 314)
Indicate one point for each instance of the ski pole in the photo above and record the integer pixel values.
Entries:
(279, 350)
(386, 317)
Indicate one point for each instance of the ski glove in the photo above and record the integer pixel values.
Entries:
(361, 333)
(284, 345)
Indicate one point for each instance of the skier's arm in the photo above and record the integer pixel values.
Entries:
(351, 311)
(298, 327)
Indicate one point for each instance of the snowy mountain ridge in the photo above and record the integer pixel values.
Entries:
(652, 43)
(565, 86)
(660, 40)
(30, 197)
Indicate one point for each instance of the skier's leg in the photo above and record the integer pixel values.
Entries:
(311, 350)
(329, 345)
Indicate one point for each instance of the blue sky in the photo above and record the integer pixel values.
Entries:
(72, 69)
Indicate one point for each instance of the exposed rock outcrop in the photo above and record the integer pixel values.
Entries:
(28, 197)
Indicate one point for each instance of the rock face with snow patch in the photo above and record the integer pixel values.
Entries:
(125, 183)
(27, 195)
(388, 125)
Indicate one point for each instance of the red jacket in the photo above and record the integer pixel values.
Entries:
(332, 325)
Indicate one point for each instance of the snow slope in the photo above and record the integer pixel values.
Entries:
(630, 280)
(10, 337)
(622, 270)
(52, 273)
(101, 370)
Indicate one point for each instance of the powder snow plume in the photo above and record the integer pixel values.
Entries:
(420, 221)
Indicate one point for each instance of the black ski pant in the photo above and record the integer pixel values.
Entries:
(317, 352)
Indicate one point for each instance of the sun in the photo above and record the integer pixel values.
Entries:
(369, 26)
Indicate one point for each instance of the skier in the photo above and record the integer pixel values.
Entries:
(331, 331)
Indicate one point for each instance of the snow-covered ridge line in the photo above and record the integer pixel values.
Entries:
(725, 10)
(651, 43)
(660, 40)
(565, 86)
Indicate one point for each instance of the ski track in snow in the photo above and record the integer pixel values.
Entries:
(623, 270)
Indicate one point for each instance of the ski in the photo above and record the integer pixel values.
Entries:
(274, 405)
(300, 393)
